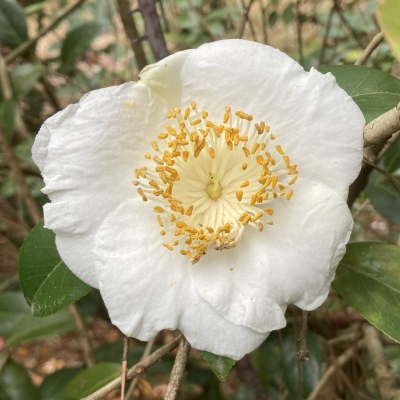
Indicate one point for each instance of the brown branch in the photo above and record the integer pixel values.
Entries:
(137, 369)
(178, 370)
(384, 381)
(245, 17)
(124, 366)
(383, 127)
(135, 380)
(395, 183)
(83, 336)
(132, 33)
(22, 48)
(340, 361)
(302, 354)
(375, 42)
(153, 29)
(19, 177)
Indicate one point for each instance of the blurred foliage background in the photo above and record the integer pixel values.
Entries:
(54, 51)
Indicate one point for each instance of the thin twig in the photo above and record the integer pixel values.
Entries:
(395, 183)
(137, 369)
(346, 24)
(178, 370)
(132, 33)
(302, 353)
(326, 35)
(124, 366)
(135, 380)
(375, 42)
(31, 42)
(264, 22)
(250, 374)
(202, 21)
(84, 339)
(245, 17)
(299, 34)
(25, 192)
(384, 381)
(153, 29)
(340, 361)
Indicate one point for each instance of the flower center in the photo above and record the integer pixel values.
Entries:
(211, 180)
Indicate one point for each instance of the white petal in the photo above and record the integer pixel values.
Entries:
(147, 288)
(292, 261)
(87, 154)
(317, 124)
(164, 77)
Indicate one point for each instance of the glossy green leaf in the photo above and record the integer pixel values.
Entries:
(384, 197)
(392, 157)
(368, 278)
(374, 91)
(16, 384)
(219, 365)
(13, 308)
(389, 20)
(47, 283)
(33, 328)
(78, 41)
(23, 77)
(53, 385)
(12, 23)
(91, 379)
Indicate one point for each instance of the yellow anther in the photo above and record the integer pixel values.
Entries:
(211, 151)
(289, 194)
(244, 184)
(158, 160)
(256, 146)
(246, 151)
(293, 180)
(260, 159)
(244, 166)
(269, 211)
(171, 130)
(140, 191)
(279, 149)
(239, 195)
(158, 209)
(193, 105)
(196, 122)
(187, 113)
(163, 232)
(189, 210)
(160, 222)
(147, 156)
(257, 216)
(162, 136)
(168, 246)
(154, 145)
(185, 155)
(204, 114)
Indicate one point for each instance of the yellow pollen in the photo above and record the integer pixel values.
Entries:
(176, 182)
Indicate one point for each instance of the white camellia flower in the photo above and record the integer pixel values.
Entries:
(208, 196)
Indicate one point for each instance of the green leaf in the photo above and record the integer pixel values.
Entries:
(23, 77)
(47, 283)
(12, 23)
(384, 197)
(78, 41)
(389, 20)
(374, 91)
(220, 365)
(53, 385)
(91, 379)
(33, 328)
(273, 17)
(392, 157)
(15, 383)
(287, 14)
(13, 307)
(8, 116)
(368, 278)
